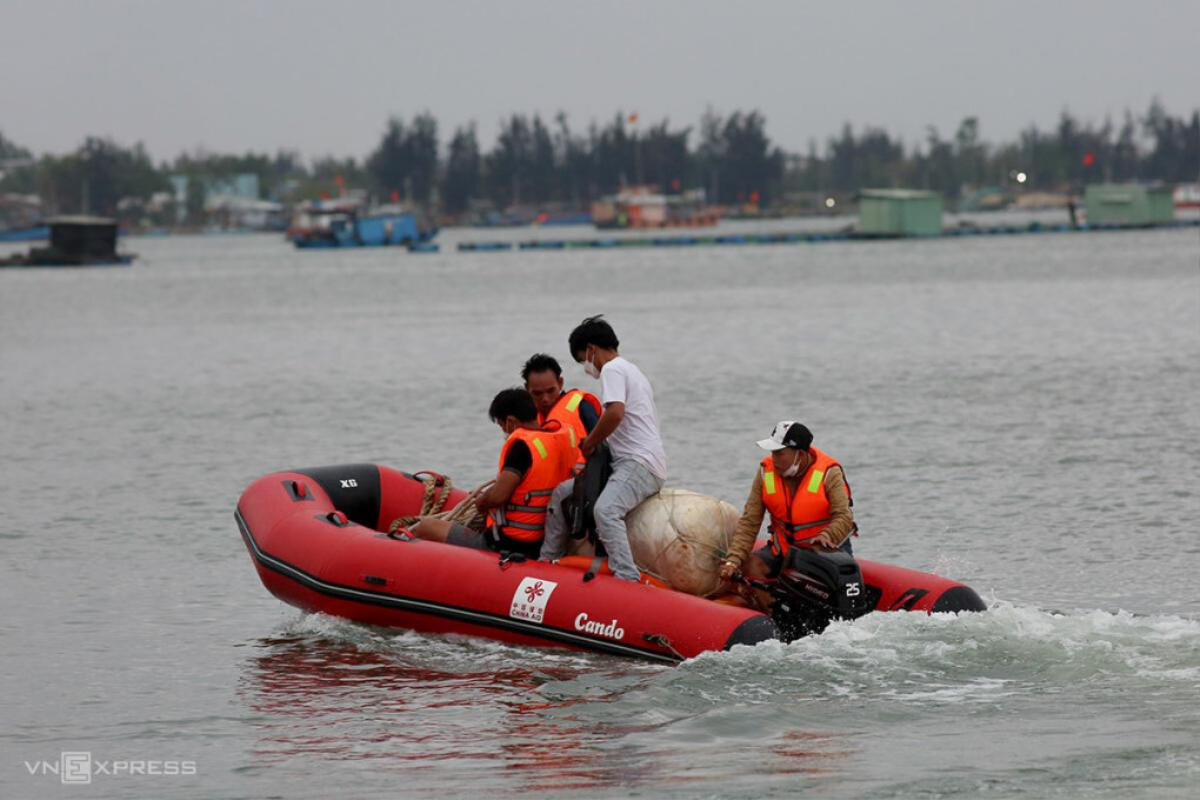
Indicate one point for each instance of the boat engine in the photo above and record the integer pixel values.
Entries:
(815, 588)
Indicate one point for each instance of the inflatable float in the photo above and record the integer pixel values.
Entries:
(319, 540)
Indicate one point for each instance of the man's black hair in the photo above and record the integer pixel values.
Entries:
(514, 402)
(540, 362)
(593, 330)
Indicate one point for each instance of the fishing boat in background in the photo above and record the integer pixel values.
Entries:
(645, 207)
(312, 218)
(348, 225)
(1187, 195)
(75, 241)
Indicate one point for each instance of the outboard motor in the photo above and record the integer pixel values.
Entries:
(815, 588)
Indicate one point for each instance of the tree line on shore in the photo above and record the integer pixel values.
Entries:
(536, 162)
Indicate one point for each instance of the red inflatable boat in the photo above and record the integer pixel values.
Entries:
(318, 539)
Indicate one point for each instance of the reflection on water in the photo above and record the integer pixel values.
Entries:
(547, 726)
(336, 700)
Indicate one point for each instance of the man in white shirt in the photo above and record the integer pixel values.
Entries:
(629, 424)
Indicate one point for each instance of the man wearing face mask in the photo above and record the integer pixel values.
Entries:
(534, 459)
(629, 423)
(806, 495)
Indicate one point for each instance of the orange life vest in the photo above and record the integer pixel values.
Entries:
(523, 517)
(566, 411)
(803, 515)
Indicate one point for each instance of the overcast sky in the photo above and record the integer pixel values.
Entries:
(323, 77)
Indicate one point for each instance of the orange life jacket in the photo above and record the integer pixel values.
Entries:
(566, 411)
(523, 517)
(803, 515)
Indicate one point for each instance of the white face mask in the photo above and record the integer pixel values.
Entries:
(591, 369)
(794, 469)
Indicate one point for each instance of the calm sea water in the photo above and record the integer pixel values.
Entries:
(1019, 413)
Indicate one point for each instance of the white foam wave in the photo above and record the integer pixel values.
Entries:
(969, 657)
(975, 657)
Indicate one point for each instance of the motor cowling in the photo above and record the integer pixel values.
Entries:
(815, 588)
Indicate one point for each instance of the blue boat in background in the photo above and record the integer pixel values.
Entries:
(376, 229)
(38, 233)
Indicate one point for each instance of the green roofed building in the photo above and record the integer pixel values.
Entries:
(899, 212)
(1129, 204)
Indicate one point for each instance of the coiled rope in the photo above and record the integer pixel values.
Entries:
(433, 500)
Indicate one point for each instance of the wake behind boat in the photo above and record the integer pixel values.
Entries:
(318, 538)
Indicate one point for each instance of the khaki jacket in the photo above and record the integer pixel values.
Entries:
(840, 528)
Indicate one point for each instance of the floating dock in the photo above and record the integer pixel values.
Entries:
(75, 241)
(806, 237)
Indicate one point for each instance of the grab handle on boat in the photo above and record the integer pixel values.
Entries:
(439, 480)
(297, 490)
(511, 558)
(337, 518)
